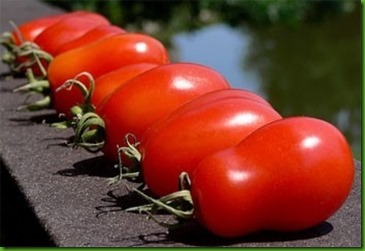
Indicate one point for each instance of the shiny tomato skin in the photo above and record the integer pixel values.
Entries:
(107, 83)
(93, 35)
(289, 175)
(66, 30)
(31, 29)
(207, 124)
(143, 100)
(100, 58)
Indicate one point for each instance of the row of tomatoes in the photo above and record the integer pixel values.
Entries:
(181, 129)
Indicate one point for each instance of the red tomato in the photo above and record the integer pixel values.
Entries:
(31, 29)
(289, 175)
(93, 35)
(143, 100)
(97, 59)
(67, 30)
(64, 29)
(27, 32)
(207, 124)
(107, 83)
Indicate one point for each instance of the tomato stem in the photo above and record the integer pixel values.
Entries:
(6, 39)
(34, 85)
(89, 132)
(179, 204)
(36, 106)
(17, 31)
(26, 49)
(87, 93)
(132, 172)
(131, 150)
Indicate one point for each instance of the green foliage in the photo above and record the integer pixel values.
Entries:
(196, 13)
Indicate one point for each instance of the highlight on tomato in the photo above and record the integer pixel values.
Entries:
(96, 34)
(142, 101)
(66, 30)
(94, 91)
(97, 58)
(207, 124)
(20, 45)
(289, 175)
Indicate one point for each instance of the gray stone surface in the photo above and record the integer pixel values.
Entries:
(67, 188)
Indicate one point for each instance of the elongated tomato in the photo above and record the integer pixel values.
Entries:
(207, 124)
(19, 55)
(93, 35)
(31, 29)
(145, 99)
(100, 58)
(289, 175)
(107, 83)
(67, 30)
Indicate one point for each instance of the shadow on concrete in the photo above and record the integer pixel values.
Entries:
(98, 167)
(191, 233)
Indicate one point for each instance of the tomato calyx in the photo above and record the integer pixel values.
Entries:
(35, 86)
(133, 171)
(87, 93)
(88, 126)
(89, 132)
(23, 56)
(179, 204)
(7, 40)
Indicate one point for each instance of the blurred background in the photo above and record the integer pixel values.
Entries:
(304, 57)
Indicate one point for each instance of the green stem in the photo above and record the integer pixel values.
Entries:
(87, 93)
(60, 125)
(34, 85)
(31, 49)
(179, 204)
(6, 40)
(33, 55)
(26, 49)
(8, 57)
(38, 105)
(131, 151)
(89, 132)
(17, 31)
(132, 172)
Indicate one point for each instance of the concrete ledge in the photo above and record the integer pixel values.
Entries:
(68, 203)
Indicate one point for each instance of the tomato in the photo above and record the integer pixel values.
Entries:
(31, 29)
(97, 59)
(27, 32)
(100, 88)
(46, 39)
(93, 35)
(67, 30)
(205, 125)
(143, 100)
(289, 175)
(107, 83)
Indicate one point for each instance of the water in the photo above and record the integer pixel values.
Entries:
(313, 69)
(223, 56)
